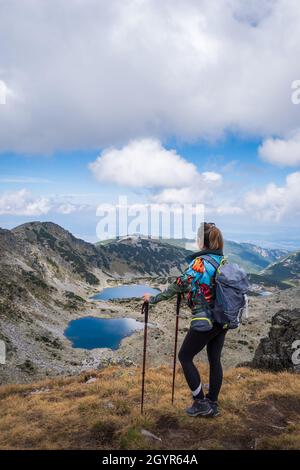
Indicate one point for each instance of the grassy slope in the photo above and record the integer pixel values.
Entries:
(260, 410)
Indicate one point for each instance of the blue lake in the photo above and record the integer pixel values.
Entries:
(125, 292)
(92, 332)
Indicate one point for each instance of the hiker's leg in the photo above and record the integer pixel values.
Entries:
(214, 350)
(193, 343)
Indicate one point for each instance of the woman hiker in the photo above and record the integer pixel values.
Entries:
(197, 282)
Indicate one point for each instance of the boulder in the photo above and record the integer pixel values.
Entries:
(281, 349)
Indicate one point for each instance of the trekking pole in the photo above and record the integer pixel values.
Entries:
(145, 310)
(175, 345)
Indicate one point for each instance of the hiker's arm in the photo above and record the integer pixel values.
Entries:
(172, 290)
(182, 285)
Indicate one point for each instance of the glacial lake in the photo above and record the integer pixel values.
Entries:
(93, 332)
(125, 292)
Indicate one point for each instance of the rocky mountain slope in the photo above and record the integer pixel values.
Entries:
(46, 246)
(47, 276)
(135, 255)
(101, 410)
(286, 270)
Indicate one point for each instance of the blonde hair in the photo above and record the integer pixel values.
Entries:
(211, 236)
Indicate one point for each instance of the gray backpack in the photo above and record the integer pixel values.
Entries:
(230, 303)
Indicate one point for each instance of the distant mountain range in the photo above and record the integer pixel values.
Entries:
(53, 255)
(253, 258)
(285, 270)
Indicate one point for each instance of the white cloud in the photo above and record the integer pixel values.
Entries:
(24, 203)
(90, 73)
(66, 208)
(282, 151)
(143, 163)
(187, 195)
(212, 177)
(274, 202)
(225, 209)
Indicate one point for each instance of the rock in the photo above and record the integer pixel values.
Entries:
(119, 361)
(109, 405)
(149, 436)
(38, 391)
(91, 380)
(277, 352)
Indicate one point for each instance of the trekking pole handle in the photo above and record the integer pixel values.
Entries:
(179, 298)
(145, 308)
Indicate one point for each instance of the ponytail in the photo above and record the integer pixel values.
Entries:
(215, 239)
(212, 236)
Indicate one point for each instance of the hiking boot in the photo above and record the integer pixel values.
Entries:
(215, 407)
(200, 407)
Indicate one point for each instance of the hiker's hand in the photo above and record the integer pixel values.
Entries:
(146, 297)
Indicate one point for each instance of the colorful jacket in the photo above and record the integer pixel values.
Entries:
(196, 282)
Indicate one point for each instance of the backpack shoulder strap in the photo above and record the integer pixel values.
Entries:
(211, 260)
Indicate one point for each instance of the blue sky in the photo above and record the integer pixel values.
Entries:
(143, 99)
(66, 177)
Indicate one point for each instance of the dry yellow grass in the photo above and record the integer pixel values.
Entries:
(259, 410)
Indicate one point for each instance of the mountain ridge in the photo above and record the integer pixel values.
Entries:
(286, 270)
(251, 257)
(48, 277)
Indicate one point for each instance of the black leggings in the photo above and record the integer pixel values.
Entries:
(193, 343)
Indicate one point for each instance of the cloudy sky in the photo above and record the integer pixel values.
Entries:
(180, 101)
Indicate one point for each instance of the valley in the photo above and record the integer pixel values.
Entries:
(49, 278)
